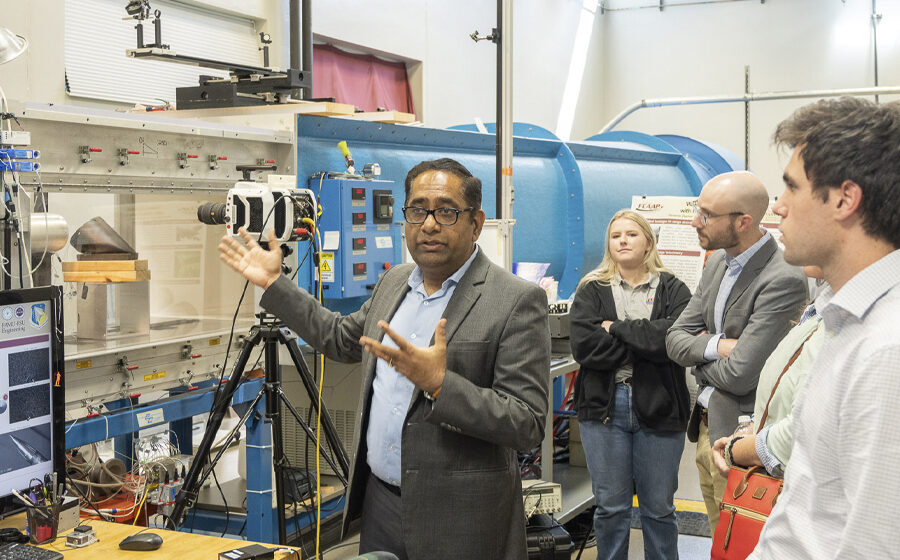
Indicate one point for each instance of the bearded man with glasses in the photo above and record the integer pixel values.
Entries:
(742, 308)
(455, 356)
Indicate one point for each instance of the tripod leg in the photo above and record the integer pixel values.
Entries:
(273, 414)
(230, 438)
(311, 435)
(188, 493)
(312, 390)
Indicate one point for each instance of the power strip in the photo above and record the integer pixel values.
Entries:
(540, 496)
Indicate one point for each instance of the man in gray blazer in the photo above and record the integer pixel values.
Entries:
(455, 357)
(741, 309)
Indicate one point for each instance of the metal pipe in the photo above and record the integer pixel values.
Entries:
(295, 33)
(659, 6)
(876, 17)
(49, 232)
(500, 126)
(767, 96)
(746, 118)
(307, 60)
(505, 122)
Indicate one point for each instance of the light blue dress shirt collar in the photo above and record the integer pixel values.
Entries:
(733, 268)
(742, 259)
(417, 279)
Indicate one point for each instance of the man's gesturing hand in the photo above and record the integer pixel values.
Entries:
(258, 265)
(423, 366)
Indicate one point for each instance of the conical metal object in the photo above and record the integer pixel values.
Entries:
(11, 45)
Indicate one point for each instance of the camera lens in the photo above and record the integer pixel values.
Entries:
(211, 213)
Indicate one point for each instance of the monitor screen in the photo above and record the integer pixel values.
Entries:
(32, 398)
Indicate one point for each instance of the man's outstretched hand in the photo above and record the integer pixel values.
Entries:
(425, 367)
(260, 266)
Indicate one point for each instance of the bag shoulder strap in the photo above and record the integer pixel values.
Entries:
(796, 355)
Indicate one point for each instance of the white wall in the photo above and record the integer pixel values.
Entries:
(457, 75)
(702, 50)
(631, 55)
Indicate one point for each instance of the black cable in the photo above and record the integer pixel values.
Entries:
(238, 308)
(303, 260)
(80, 493)
(224, 501)
(225, 362)
(584, 542)
(228, 347)
(296, 499)
(236, 312)
(21, 280)
(244, 524)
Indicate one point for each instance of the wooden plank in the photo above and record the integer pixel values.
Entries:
(87, 266)
(107, 276)
(107, 257)
(323, 108)
(394, 117)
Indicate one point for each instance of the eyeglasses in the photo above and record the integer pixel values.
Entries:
(705, 217)
(443, 216)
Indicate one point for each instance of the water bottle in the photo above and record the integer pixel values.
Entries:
(744, 427)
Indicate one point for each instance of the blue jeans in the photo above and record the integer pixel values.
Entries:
(622, 455)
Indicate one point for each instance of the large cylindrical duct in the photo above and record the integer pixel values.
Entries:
(565, 192)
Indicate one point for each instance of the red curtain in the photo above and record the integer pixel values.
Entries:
(363, 80)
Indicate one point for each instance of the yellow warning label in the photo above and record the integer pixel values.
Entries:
(82, 364)
(326, 267)
(154, 375)
(215, 341)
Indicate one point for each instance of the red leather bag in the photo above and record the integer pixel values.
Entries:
(749, 498)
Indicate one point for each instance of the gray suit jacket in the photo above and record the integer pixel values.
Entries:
(768, 295)
(461, 488)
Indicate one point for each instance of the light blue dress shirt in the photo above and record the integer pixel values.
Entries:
(415, 320)
(734, 266)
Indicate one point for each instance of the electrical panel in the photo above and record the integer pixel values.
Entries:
(360, 237)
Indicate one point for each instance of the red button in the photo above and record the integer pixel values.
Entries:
(386, 265)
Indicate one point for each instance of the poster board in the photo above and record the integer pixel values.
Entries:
(677, 241)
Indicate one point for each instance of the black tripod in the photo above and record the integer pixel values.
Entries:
(269, 331)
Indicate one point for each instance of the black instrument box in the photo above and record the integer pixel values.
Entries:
(547, 539)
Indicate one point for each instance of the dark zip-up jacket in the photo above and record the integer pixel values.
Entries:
(660, 396)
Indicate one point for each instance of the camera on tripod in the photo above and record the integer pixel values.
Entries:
(260, 207)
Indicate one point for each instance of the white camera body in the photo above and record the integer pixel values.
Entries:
(260, 207)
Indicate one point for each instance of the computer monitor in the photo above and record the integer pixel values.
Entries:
(32, 389)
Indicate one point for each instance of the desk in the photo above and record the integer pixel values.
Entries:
(176, 545)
